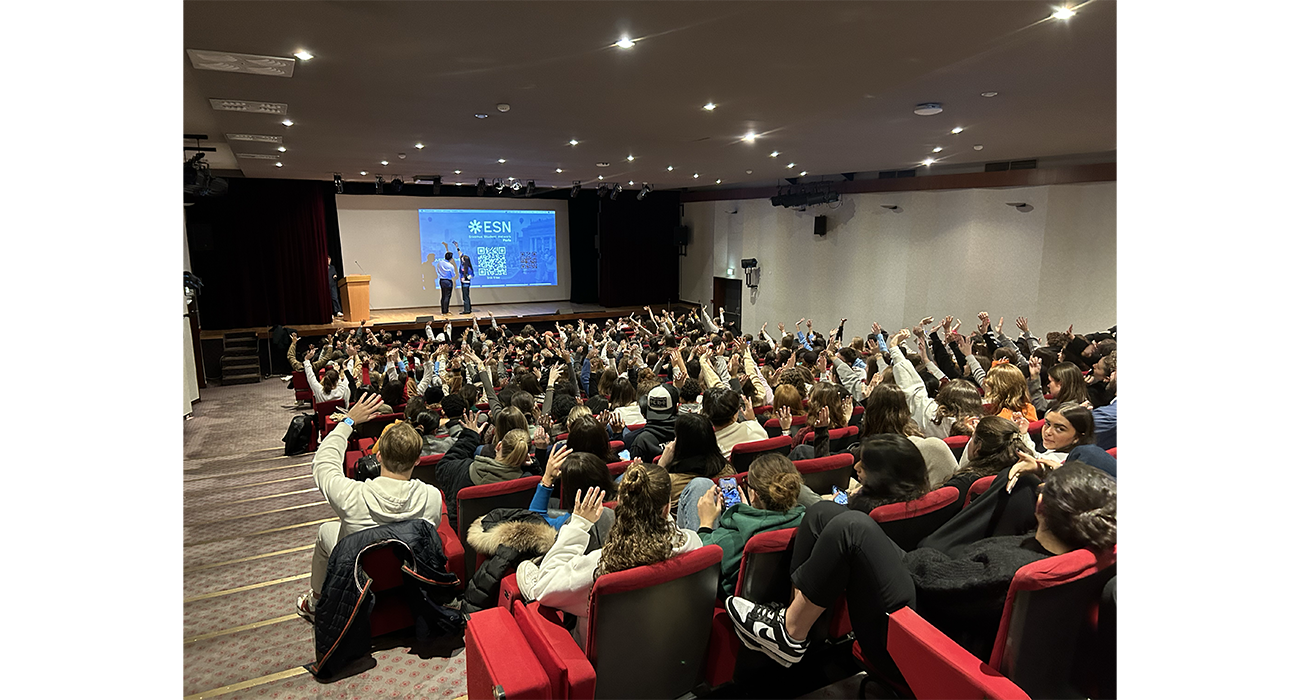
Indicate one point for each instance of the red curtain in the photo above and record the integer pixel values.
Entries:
(261, 253)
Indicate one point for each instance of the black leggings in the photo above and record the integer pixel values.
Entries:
(838, 550)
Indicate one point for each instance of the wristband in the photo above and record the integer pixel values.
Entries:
(348, 421)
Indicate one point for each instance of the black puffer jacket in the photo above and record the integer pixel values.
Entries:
(508, 535)
(343, 612)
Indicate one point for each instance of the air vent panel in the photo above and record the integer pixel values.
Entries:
(251, 106)
(228, 62)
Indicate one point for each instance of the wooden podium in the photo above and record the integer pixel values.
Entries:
(354, 295)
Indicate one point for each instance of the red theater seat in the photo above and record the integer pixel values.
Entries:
(498, 660)
(908, 523)
(745, 453)
(476, 501)
(981, 485)
(957, 443)
(822, 473)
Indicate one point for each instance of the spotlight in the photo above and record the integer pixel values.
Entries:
(338, 183)
(482, 186)
(617, 189)
(528, 192)
(645, 190)
(499, 184)
(379, 184)
(602, 190)
(397, 185)
(517, 186)
(577, 187)
(748, 263)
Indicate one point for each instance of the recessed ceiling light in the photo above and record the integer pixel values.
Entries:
(419, 145)
(749, 172)
(480, 115)
(625, 43)
(279, 165)
(928, 161)
(602, 164)
(1063, 12)
(383, 162)
(456, 171)
(749, 137)
(990, 93)
(710, 106)
(503, 107)
(630, 159)
(773, 154)
(282, 149)
(718, 181)
(558, 170)
(573, 142)
(304, 56)
(802, 173)
(670, 168)
(789, 165)
(937, 149)
(287, 122)
(501, 160)
(696, 175)
(510, 178)
(600, 177)
(631, 182)
(979, 146)
(928, 109)
(957, 130)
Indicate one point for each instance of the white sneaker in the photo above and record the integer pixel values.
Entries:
(306, 608)
(762, 628)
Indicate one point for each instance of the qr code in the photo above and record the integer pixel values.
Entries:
(492, 261)
(528, 261)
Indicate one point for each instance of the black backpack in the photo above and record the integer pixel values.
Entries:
(297, 439)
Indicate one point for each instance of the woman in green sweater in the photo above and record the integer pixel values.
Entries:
(769, 501)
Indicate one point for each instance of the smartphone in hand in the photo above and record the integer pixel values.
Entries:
(840, 497)
(730, 494)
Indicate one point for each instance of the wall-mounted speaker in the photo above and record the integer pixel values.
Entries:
(682, 235)
(819, 225)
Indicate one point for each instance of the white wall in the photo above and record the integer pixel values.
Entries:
(190, 381)
(944, 252)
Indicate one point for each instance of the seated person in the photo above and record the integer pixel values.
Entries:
(576, 471)
(721, 406)
(841, 551)
(692, 454)
(769, 501)
(460, 467)
(890, 469)
(642, 534)
(391, 497)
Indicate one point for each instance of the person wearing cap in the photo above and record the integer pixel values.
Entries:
(660, 411)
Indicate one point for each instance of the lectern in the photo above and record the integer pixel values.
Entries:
(354, 294)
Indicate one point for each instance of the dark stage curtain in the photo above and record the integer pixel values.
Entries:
(260, 251)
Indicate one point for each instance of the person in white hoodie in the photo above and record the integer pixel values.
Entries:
(391, 497)
(643, 533)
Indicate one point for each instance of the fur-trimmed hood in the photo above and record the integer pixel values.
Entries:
(532, 536)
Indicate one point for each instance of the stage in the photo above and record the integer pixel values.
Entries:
(536, 312)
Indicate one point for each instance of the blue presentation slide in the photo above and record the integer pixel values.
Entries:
(507, 248)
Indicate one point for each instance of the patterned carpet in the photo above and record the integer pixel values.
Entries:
(250, 525)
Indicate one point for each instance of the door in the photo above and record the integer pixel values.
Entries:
(726, 300)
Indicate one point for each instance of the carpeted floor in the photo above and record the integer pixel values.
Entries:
(250, 524)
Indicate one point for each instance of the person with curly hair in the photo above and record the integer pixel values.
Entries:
(642, 534)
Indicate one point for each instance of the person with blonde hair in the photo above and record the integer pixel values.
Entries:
(769, 500)
(391, 497)
(642, 534)
(460, 467)
(1007, 393)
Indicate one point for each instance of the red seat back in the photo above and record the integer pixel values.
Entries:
(822, 473)
(615, 446)
(384, 567)
(618, 468)
(957, 443)
(937, 668)
(840, 438)
(773, 425)
(1036, 429)
(909, 523)
(476, 501)
(648, 626)
(1050, 611)
(498, 661)
(570, 673)
(425, 469)
(745, 453)
(1113, 452)
(981, 485)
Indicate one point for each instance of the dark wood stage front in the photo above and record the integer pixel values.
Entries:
(536, 312)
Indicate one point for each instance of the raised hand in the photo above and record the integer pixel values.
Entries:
(964, 344)
(984, 322)
(589, 505)
(1023, 324)
(809, 324)
(780, 327)
(293, 336)
(365, 409)
(784, 418)
(555, 464)
(822, 419)
(1021, 422)
(899, 337)
(876, 329)
(999, 329)
(956, 325)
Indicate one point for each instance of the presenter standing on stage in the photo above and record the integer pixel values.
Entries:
(466, 274)
(333, 273)
(446, 273)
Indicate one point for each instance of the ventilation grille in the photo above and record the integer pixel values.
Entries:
(258, 138)
(241, 63)
(258, 156)
(1010, 165)
(891, 174)
(250, 106)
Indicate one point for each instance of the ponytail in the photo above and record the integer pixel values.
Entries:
(642, 534)
(776, 481)
(514, 447)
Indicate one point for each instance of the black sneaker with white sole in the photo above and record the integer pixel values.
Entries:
(762, 628)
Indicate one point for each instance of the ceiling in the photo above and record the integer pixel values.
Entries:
(830, 85)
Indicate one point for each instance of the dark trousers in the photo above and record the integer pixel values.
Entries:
(464, 295)
(446, 294)
(842, 551)
(334, 297)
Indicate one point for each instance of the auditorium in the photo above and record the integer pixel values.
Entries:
(712, 349)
